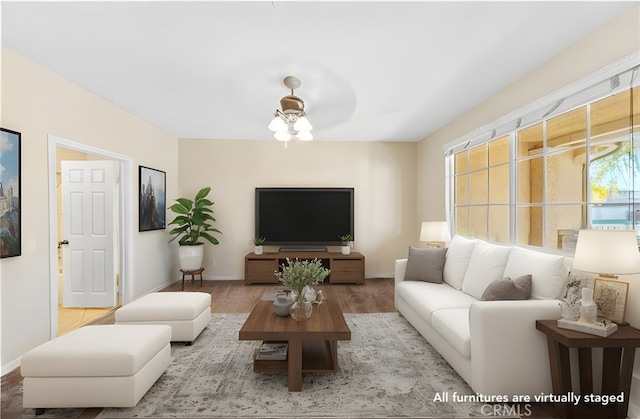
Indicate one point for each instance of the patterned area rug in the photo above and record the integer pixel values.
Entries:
(387, 370)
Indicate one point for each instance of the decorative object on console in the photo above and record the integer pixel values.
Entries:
(610, 297)
(434, 232)
(346, 240)
(290, 123)
(297, 275)
(599, 328)
(608, 253)
(194, 223)
(588, 309)
(570, 304)
(257, 245)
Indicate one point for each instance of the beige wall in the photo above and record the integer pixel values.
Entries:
(614, 41)
(38, 103)
(383, 175)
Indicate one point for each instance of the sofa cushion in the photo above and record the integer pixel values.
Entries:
(425, 264)
(486, 265)
(457, 261)
(425, 298)
(453, 326)
(548, 272)
(507, 289)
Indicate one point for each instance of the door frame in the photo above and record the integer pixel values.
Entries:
(125, 227)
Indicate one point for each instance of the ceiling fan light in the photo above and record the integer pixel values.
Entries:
(302, 124)
(282, 136)
(304, 136)
(290, 123)
(277, 124)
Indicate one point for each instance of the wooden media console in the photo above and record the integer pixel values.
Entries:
(345, 269)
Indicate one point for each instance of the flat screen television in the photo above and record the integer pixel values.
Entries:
(304, 217)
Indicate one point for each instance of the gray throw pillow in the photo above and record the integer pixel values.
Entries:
(425, 264)
(506, 289)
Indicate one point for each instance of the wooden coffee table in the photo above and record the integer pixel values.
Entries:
(312, 343)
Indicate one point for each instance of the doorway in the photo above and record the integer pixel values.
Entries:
(66, 319)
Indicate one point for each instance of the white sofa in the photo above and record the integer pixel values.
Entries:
(493, 345)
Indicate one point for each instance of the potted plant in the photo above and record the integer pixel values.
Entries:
(193, 220)
(257, 245)
(297, 275)
(346, 240)
(570, 304)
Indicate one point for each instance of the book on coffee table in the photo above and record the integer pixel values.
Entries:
(272, 351)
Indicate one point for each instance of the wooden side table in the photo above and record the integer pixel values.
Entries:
(193, 275)
(617, 369)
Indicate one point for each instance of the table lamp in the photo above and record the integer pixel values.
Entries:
(433, 232)
(608, 253)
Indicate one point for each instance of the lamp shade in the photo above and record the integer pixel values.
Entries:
(434, 231)
(613, 252)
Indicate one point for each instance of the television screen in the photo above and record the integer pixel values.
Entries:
(304, 217)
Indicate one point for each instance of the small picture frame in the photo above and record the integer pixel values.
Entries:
(610, 297)
(152, 208)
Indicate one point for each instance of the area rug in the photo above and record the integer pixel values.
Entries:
(387, 370)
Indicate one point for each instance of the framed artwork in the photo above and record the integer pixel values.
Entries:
(152, 209)
(10, 211)
(610, 297)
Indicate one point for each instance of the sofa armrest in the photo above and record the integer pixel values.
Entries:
(400, 269)
(504, 338)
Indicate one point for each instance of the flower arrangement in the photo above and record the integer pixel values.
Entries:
(297, 274)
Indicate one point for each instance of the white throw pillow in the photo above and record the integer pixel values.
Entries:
(457, 261)
(548, 272)
(486, 265)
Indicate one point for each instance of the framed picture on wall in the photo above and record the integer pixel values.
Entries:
(10, 211)
(152, 207)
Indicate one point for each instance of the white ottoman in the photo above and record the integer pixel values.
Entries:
(95, 366)
(188, 313)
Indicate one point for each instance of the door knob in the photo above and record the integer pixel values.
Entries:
(62, 243)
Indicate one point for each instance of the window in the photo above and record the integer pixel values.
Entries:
(539, 184)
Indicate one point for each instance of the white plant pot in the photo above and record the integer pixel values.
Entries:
(346, 250)
(191, 257)
(257, 250)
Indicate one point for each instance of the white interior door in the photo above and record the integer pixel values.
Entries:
(89, 278)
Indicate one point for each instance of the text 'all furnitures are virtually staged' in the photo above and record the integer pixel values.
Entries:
(293, 209)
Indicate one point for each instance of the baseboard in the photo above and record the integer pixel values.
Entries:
(7, 368)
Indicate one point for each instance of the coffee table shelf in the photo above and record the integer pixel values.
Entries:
(316, 357)
(313, 345)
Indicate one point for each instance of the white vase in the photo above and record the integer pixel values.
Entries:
(588, 309)
(346, 250)
(257, 250)
(191, 257)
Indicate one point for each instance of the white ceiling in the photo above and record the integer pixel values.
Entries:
(375, 71)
